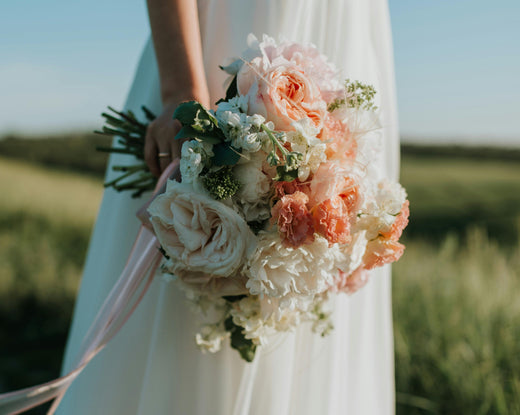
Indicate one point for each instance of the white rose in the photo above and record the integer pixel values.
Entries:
(200, 234)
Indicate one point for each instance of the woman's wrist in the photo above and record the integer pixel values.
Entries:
(173, 97)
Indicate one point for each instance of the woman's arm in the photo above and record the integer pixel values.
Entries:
(176, 38)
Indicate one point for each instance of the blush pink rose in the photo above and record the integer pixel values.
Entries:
(282, 94)
(382, 251)
(331, 220)
(293, 219)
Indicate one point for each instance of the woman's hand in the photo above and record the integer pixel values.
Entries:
(161, 147)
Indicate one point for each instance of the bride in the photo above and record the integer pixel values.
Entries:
(153, 365)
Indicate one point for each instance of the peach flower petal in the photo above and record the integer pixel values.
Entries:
(331, 220)
(382, 251)
(400, 223)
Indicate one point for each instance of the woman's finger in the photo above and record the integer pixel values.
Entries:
(165, 157)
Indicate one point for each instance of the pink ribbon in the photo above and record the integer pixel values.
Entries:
(119, 305)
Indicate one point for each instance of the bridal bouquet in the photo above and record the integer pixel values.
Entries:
(279, 208)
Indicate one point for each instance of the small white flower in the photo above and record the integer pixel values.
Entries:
(303, 140)
(253, 196)
(194, 155)
(235, 104)
(210, 338)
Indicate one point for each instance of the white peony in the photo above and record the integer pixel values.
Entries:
(200, 234)
(292, 275)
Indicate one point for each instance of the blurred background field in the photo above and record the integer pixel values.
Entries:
(456, 317)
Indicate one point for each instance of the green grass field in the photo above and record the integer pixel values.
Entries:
(456, 318)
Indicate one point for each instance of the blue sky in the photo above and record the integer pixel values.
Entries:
(457, 65)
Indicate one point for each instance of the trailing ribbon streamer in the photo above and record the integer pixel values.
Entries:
(123, 299)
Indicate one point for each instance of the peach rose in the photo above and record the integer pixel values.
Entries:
(331, 220)
(293, 219)
(281, 93)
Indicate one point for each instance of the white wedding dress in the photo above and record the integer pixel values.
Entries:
(153, 367)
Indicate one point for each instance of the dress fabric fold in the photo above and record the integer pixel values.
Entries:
(153, 365)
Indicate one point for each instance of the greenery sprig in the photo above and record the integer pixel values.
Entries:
(131, 134)
(357, 95)
(287, 165)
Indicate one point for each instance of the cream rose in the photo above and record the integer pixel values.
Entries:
(199, 234)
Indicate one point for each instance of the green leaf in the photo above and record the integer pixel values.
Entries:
(193, 113)
(285, 176)
(186, 112)
(202, 121)
(244, 346)
(225, 155)
(188, 132)
(231, 92)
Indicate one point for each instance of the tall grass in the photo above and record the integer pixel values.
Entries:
(457, 327)
(45, 221)
(456, 316)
